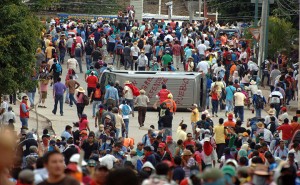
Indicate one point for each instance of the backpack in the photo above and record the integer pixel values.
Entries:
(97, 93)
(86, 100)
(58, 68)
(259, 102)
(119, 51)
(125, 110)
(272, 127)
(233, 56)
(141, 44)
(44, 74)
(139, 165)
(221, 73)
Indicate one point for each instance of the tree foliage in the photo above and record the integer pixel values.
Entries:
(281, 35)
(19, 35)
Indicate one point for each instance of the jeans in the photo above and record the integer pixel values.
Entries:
(220, 150)
(229, 105)
(79, 63)
(277, 108)
(72, 99)
(67, 98)
(265, 74)
(24, 122)
(141, 68)
(142, 115)
(95, 105)
(126, 122)
(118, 132)
(193, 128)
(127, 62)
(168, 132)
(258, 113)
(239, 111)
(62, 56)
(207, 97)
(58, 98)
(88, 59)
(215, 104)
(289, 96)
(31, 96)
(118, 61)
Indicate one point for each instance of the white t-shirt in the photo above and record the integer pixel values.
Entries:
(243, 55)
(239, 99)
(128, 94)
(135, 51)
(204, 66)
(201, 49)
(72, 63)
(168, 37)
(276, 96)
(108, 161)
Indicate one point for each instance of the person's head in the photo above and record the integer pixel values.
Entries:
(180, 142)
(58, 79)
(26, 177)
(189, 136)
(291, 156)
(203, 117)
(183, 127)
(221, 121)
(91, 137)
(164, 86)
(286, 121)
(243, 161)
(177, 160)
(296, 145)
(162, 169)
(122, 176)
(54, 163)
(100, 174)
(68, 128)
(281, 144)
(25, 98)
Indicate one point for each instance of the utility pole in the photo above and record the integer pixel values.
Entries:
(298, 111)
(205, 11)
(267, 30)
(261, 54)
(200, 7)
(255, 25)
(159, 7)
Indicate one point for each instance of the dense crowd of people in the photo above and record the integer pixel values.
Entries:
(234, 150)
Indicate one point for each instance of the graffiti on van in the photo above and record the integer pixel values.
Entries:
(146, 83)
(157, 84)
(181, 92)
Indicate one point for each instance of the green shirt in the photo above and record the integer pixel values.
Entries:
(166, 59)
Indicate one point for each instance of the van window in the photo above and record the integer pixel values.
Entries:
(145, 72)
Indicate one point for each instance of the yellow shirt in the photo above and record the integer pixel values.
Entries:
(180, 134)
(219, 134)
(195, 115)
(49, 51)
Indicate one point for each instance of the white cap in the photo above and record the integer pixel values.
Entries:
(75, 159)
(206, 139)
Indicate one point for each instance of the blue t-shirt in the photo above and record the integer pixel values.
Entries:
(229, 92)
(59, 88)
(208, 83)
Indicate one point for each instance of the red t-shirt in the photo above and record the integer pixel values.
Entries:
(92, 81)
(83, 124)
(163, 95)
(187, 142)
(287, 131)
(214, 96)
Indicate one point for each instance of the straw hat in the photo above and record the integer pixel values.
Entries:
(142, 91)
(170, 96)
(186, 153)
(135, 43)
(252, 82)
(80, 89)
(206, 113)
(191, 58)
(260, 125)
(271, 112)
(127, 82)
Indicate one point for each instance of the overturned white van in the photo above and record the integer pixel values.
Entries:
(187, 87)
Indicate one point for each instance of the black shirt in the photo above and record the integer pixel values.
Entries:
(88, 148)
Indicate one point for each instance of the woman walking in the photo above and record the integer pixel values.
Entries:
(80, 103)
(141, 102)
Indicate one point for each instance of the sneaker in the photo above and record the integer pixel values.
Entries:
(53, 112)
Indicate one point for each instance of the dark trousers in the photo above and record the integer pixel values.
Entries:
(90, 90)
(215, 104)
(239, 111)
(142, 68)
(58, 98)
(277, 108)
(13, 98)
(55, 76)
(265, 74)
(220, 149)
(142, 115)
(80, 108)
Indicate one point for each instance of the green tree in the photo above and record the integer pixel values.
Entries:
(19, 35)
(281, 35)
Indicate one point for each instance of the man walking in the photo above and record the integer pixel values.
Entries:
(24, 112)
(58, 95)
(229, 97)
(239, 98)
(72, 85)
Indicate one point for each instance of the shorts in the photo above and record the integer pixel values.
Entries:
(44, 94)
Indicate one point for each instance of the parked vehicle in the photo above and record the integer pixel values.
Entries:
(187, 87)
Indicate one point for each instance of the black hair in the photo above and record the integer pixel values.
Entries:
(164, 86)
(183, 126)
(59, 79)
(49, 154)
(257, 160)
(221, 120)
(68, 127)
(177, 160)
(162, 169)
(122, 176)
(295, 118)
(243, 161)
(179, 142)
